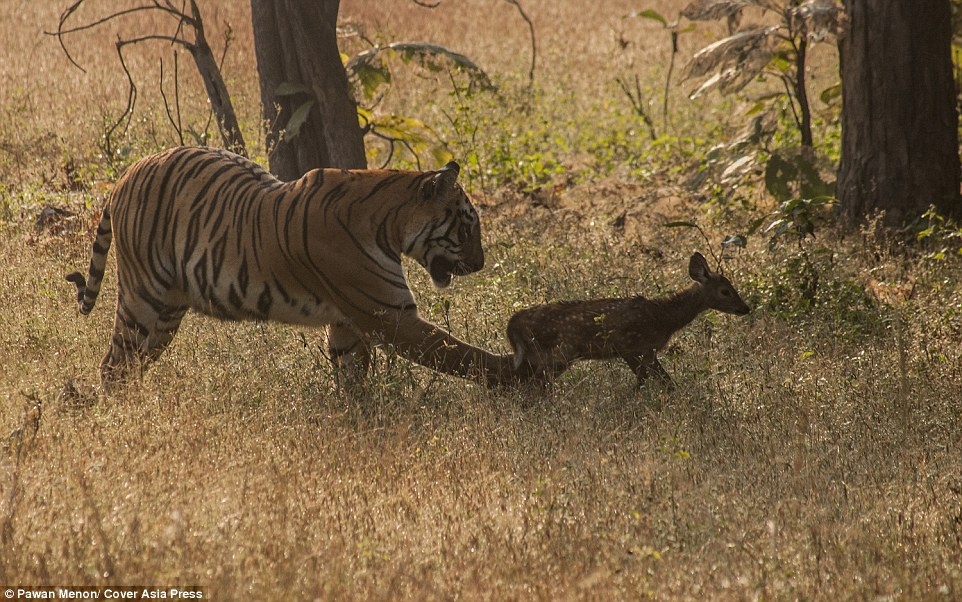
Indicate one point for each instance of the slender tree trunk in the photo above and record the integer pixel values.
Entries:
(295, 43)
(900, 148)
(220, 101)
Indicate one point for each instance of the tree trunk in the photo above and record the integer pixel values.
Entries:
(900, 148)
(295, 43)
(220, 102)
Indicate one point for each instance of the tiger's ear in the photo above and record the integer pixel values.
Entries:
(443, 180)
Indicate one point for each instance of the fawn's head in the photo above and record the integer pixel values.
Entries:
(718, 291)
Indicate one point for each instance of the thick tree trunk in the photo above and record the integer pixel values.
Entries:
(296, 43)
(900, 148)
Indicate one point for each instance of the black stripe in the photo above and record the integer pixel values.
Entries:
(265, 301)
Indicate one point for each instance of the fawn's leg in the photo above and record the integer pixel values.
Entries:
(646, 366)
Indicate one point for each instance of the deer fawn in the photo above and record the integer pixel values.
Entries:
(549, 338)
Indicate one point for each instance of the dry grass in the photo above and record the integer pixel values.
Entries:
(808, 453)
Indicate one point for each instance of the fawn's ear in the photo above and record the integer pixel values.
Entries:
(442, 181)
(698, 268)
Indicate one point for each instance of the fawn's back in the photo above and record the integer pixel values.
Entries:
(550, 337)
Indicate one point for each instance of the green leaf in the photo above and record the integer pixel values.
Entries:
(753, 227)
(831, 94)
(372, 75)
(734, 240)
(923, 234)
(429, 56)
(298, 118)
(400, 127)
(413, 135)
(364, 117)
(774, 225)
(653, 15)
(779, 177)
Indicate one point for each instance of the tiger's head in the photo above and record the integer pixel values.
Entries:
(449, 242)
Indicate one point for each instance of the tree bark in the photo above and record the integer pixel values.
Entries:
(220, 102)
(900, 148)
(295, 43)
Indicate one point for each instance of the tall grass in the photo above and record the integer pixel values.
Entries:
(808, 451)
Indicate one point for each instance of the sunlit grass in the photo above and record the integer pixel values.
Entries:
(809, 450)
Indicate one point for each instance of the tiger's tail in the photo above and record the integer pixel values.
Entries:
(88, 288)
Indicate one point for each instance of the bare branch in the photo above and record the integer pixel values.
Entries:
(94, 24)
(153, 37)
(534, 46)
(199, 49)
(638, 103)
(131, 101)
(70, 10)
(176, 123)
(392, 140)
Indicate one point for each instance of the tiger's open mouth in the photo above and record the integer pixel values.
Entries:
(442, 270)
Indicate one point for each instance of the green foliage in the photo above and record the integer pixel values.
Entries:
(939, 236)
(798, 217)
(412, 135)
(754, 54)
(793, 173)
(370, 72)
(300, 113)
(808, 284)
(778, 50)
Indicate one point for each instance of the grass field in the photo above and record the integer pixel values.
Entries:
(811, 450)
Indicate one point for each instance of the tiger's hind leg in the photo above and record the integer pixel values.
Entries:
(349, 353)
(141, 334)
(164, 330)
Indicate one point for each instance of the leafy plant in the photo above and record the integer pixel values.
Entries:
(370, 72)
(943, 236)
(797, 217)
(675, 31)
(753, 51)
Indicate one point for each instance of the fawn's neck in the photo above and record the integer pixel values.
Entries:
(679, 309)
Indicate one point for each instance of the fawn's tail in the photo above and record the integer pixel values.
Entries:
(88, 288)
(518, 344)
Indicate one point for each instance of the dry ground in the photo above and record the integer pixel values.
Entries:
(808, 451)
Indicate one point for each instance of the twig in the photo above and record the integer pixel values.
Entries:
(207, 65)
(671, 68)
(391, 140)
(176, 123)
(131, 101)
(638, 104)
(534, 48)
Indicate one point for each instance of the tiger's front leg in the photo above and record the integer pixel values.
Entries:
(349, 353)
(425, 343)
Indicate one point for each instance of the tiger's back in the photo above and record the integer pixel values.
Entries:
(205, 229)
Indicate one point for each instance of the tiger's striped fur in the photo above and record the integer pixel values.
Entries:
(208, 230)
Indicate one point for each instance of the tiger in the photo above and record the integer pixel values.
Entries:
(211, 231)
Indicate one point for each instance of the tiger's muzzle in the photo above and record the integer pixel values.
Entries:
(443, 269)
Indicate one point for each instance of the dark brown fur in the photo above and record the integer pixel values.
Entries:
(549, 338)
